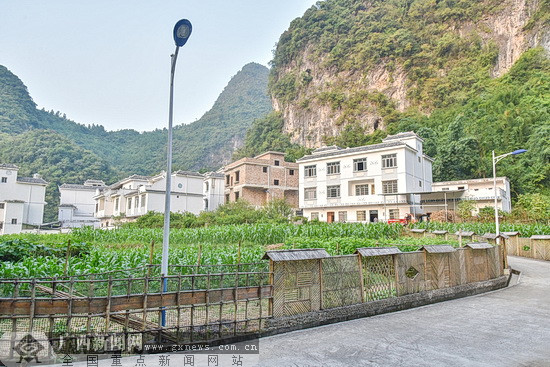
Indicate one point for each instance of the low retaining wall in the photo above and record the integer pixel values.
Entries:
(360, 310)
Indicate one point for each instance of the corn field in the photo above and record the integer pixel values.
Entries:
(258, 234)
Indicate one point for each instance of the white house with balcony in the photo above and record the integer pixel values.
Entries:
(134, 196)
(371, 183)
(22, 199)
(213, 194)
(446, 195)
(77, 204)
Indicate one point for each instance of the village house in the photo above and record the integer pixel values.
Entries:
(262, 179)
(379, 182)
(22, 200)
(77, 204)
(213, 191)
(446, 195)
(134, 196)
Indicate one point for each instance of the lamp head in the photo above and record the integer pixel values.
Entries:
(519, 151)
(182, 31)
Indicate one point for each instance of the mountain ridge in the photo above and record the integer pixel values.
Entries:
(205, 144)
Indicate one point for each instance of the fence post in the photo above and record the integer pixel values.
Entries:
(67, 258)
(360, 261)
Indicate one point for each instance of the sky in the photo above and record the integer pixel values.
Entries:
(108, 62)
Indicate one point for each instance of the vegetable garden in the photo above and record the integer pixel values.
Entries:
(97, 251)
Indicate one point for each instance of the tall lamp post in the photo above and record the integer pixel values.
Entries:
(182, 31)
(495, 161)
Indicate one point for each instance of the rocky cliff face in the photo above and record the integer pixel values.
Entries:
(327, 97)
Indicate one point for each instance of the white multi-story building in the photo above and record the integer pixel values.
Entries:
(213, 193)
(22, 199)
(447, 194)
(137, 195)
(77, 204)
(371, 183)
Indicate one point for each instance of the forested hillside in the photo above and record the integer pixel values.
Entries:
(65, 151)
(469, 76)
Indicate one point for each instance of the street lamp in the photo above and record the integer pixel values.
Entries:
(495, 161)
(182, 31)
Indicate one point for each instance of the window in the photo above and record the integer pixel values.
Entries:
(4, 179)
(143, 201)
(315, 216)
(310, 193)
(418, 159)
(237, 196)
(461, 187)
(2, 206)
(389, 160)
(445, 189)
(310, 171)
(264, 169)
(372, 192)
(420, 183)
(361, 215)
(14, 221)
(227, 179)
(117, 201)
(394, 213)
(206, 186)
(342, 216)
(276, 162)
(276, 182)
(333, 191)
(333, 168)
(227, 198)
(237, 176)
(96, 207)
(361, 190)
(291, 172)
(389, 187)
(360, 165)
(136, 202)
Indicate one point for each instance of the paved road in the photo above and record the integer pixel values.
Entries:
(508, 327)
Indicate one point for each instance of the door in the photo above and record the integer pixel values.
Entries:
(373, 216)
(330, 217)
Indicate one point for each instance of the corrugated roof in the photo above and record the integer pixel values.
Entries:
(214, 174)
(418, 230)
(511, 233)
(352, 150)
(540, 237)
(492, 236)
(378, 251)
(465, 233)
(8, 165)
(296, 254)
(32, 180)
(81, 187)
(440, 232)
(478, 245)
(434, 249)
(326, 149)
(189, 173)
(407, 134)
